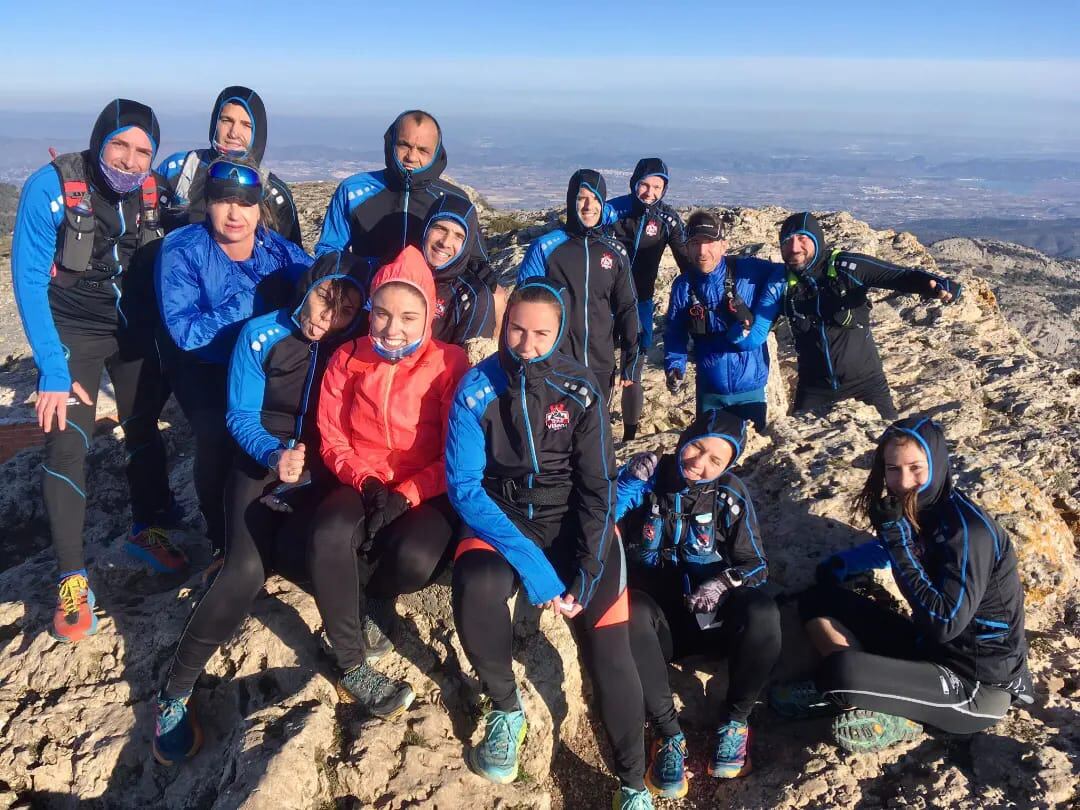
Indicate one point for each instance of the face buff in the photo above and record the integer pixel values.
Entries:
(393, 355)
(122, 183)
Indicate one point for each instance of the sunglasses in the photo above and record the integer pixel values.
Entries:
(234, 173)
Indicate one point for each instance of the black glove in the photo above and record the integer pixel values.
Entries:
(675, 380)
(642, 465)
(888, 509)
(831, 571)
(738, 309)
(396, 506)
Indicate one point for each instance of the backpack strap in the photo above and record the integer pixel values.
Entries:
(186, 178)
(149, 215)
(75, 244)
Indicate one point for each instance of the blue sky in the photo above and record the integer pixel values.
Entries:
(956, 66)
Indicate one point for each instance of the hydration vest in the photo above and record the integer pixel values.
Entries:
(699, 323)
(846, 317)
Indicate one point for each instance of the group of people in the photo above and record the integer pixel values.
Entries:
(343, 439)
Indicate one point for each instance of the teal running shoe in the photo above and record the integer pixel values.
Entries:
(496, 757)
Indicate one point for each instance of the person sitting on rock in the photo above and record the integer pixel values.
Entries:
(726, 305)
(593, 270)
(531, 471)
(238, 129)
(960, 660)
(382, 421)
(210, 278)
(275, 482)
(828, 309)
(81, 221)
(697, 564)
(644, 225)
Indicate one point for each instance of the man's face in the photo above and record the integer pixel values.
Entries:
(650, 189)
(443, 242)
(588, 208)
(416, 143)
(233, 129)
(797, 251)
(706, 253)
(130, 151)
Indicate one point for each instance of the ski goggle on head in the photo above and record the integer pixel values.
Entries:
(226, 180)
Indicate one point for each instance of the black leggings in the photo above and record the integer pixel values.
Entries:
(484, 581)
(132, 362)
(890, 673)
(662, 630)
(259, 541)
(874, 390)
(404, 557)
(633, 398)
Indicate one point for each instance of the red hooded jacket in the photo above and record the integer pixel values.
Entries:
(388, 419)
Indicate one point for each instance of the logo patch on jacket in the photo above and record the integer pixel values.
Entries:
(440, 307)
(607, 261)
(652, 228)
(557, 417)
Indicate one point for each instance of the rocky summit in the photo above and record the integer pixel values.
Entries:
(999, 370)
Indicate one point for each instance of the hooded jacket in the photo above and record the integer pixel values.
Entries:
(959, 574)
(593, 272)
(728, 362)
(205, 296)
(530, 467)
(184, 199)
(275, 372)
(645, 230)
(47, 296)
(376, 214)
(464, 305)
(387, 420)
(702, 528)
(829, 312)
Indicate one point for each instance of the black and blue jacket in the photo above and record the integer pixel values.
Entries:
(593, 271)
(90, 298)
(645, 230)
(376, 214)
(701, 528)
(183, 198)
(531, 470)
(958, 571)
(728, 362)
(828, 308)
(275, 372)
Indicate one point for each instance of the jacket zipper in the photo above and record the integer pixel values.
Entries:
(386, 406)
(313, 355)
(586, 351)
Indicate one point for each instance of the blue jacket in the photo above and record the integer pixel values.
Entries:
(727, 361)
(205, 296)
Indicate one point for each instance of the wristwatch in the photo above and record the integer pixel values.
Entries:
(275, 458)
(731, 576)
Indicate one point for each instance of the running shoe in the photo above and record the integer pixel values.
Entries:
(177, 734)
(374, 692)
(862, 731)
(74, 619)
(731, 751)
(151, 545)
(800, 700)
(666, 776)
(626, 798)
(496, 756)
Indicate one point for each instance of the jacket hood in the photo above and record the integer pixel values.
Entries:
(593, 181)
(648, 167)
(714, 423)
(121, 114)
(458, 209)
(806, 224)
(410, 268)
(250, 101)
(509, 359)
(332, 265)
(931, 438)
(396, 173)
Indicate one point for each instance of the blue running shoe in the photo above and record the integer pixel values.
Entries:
(666, 776)
(800, 700)
(152, 546)
(496, 757)
(177, 734)
(861, 731)
(731, 753)
(626, 798)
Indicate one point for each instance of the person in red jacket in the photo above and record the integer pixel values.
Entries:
(382, 419)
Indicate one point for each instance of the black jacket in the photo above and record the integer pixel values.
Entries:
(828, 308)
(593, 270)
(179, 209)
(959, 574)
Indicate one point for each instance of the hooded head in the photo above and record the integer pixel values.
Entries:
(346, 269)
(691, 452)
(648, 167)
(120, 115)
(930, 438)
(432, 169)
(540, 293)
(592, 181)
(410, 270)
(253, 105)
(451, 208)
(805, 224)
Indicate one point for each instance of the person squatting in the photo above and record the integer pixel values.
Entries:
(338, 426)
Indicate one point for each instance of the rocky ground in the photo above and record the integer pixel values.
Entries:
(75, 724)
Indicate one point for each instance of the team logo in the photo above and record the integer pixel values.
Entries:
(557, 417)
(652, 229)
(440, 307)
(607, 261)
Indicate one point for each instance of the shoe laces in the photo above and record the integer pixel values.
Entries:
(366, 680)
(171, 712)
(671, 755)
(804, 693)
(73, 593)
(731, 742)
(636, 799)
(498, 738)
(156, 537)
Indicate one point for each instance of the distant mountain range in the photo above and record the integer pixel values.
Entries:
(1054, 237)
